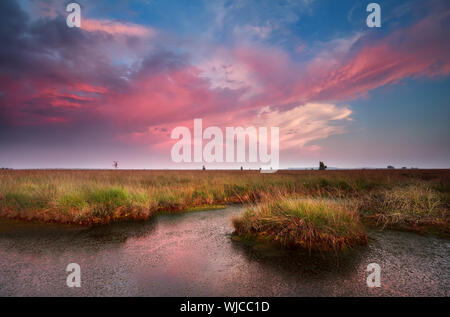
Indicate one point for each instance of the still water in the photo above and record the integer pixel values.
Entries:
(192, 254)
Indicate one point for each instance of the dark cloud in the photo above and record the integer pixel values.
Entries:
(49, 69)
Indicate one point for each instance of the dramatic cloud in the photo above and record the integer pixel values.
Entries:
(306, 123)
(417, 51)
(143, 81)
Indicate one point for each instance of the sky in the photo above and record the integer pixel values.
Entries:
(115, 88)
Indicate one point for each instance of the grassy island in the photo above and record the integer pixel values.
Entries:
(319, 225)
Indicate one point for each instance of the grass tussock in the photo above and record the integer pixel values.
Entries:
(313, 225)
(416, 207)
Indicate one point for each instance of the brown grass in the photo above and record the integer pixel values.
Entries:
(103, 196)
(415, 207)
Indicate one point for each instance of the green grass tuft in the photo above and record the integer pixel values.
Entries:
(320, 225)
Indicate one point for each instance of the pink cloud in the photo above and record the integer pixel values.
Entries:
(228, 87)
(412, 52)
(343, 69)
(55, 120)
(116, 28)
(89, 88)
(305, 123)
(268, 77)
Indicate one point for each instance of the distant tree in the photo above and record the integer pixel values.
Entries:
(115, 164)
(322, 166)
(404, 168)
(242, 168)
(204, 168)
(390, 167)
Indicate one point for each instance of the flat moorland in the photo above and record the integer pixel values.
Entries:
(415, 200)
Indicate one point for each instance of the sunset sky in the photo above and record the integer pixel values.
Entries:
(341, 92)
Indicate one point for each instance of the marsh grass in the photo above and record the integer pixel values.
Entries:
(103, 196)
(308, 224)
(415, 207)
